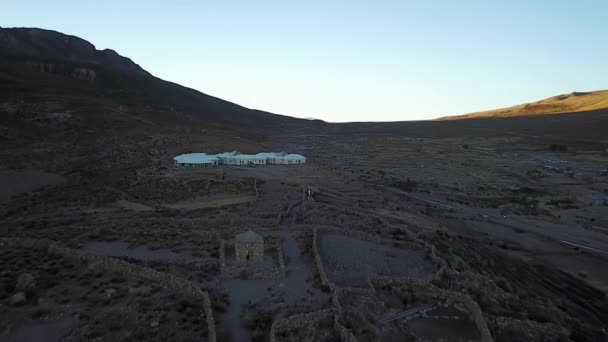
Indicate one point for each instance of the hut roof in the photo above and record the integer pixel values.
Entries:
(249, 236)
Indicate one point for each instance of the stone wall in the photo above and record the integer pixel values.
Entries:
(345, 334)
(298, 321)
(283, 213)
(222, 257)
(413, 243)
(333, 313)
(474, 310)
(337, 293)
(116, 265)
(281, 260)
(319, 262)
(447, 296)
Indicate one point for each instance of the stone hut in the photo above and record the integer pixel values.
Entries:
(249, 246)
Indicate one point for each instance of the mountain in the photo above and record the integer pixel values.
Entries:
(42, 44)
(47, 63)
(566, 103)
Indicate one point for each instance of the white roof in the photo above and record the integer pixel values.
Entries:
(294, 156)
(247, 156)
(228, 154)
(196, 158)
(267, 155)
(204, 158)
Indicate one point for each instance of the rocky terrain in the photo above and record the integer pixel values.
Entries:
(491, 230)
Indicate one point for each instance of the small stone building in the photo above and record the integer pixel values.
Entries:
(249, 246)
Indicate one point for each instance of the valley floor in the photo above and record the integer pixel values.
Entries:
(492, 238)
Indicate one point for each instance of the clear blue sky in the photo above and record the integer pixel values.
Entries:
(349, 60)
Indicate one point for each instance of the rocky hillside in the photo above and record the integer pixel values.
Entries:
(566, 103)
(45, 45)
(41, 62)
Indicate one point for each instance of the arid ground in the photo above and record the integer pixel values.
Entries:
(408, 237)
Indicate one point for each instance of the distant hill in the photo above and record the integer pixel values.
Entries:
(567, 103)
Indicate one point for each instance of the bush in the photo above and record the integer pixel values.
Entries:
(558, 148)
(407, 185)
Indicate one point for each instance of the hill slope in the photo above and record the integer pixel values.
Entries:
(51, 64)
(567, 103)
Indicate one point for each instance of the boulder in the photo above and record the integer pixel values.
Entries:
(25, 282)
(18, 299)
(110, 292)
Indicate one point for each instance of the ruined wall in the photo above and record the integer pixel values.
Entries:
(335, 294)
(115, 265)
(299, 321)
(283, 213)
(413, 243)
(447, 296)
(474, 310)
(345, 334)
(222, 257)
(319, 262)
(281, 260)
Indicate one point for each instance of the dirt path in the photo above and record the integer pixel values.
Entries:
(293, 287)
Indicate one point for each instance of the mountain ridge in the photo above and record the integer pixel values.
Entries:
(54, 45)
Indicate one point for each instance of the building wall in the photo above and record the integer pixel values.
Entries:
(260, 161)
(244, 162)
(290, 161)
(229, 161)
(255, 250)
(194, 165)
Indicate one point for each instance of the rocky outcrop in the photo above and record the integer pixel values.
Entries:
(18, 299)
(40, 66)
(84, 74)
(25, 282)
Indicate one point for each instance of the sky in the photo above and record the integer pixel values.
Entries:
(349, 60)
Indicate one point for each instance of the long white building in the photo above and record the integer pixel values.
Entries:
(237, 158)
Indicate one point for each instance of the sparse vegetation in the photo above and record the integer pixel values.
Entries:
(558, 148)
